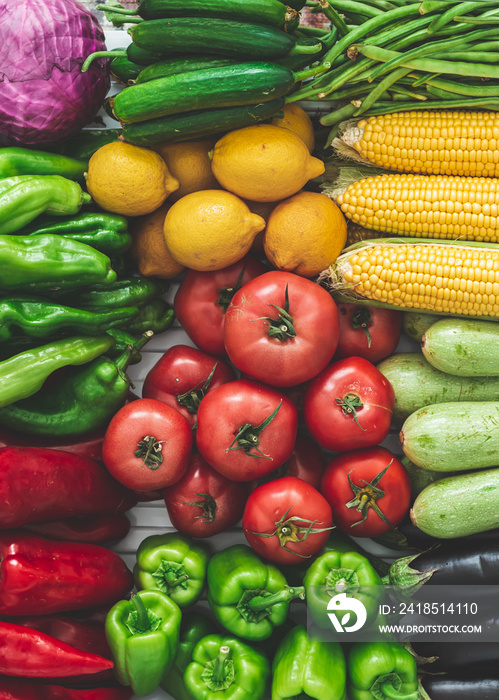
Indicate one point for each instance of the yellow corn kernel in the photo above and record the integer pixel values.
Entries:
(426, 206)
(448, 278)
(430, 142)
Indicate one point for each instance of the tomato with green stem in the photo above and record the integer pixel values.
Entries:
(287, 520)
(367, 331)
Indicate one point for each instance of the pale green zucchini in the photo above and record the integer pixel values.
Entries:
(415, 324)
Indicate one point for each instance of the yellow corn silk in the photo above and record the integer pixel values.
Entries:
(441, 142)
(426, 206)
(433, 276)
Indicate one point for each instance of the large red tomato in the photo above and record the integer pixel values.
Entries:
(287, 520)
(366, 331)
(281, 329)
(246, 429)
(203, 502)
(147, 445)
(203, 297)
(182, 376)
(369, 491)
(349, 405)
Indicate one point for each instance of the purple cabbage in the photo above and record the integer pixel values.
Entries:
(44, 96)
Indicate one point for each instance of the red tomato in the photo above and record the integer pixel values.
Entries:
(182, 376)
(286, 520)
(281, 329)
(370, 332)
(147, 445)
(204, 503)
(349, 405)
(369, 491)
(203, 297)
(246, 429)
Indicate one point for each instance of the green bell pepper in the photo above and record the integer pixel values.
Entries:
(225, 668)
(143, 635)
(193, 628)
(341, 572)
(174, 564)
(381, 671)
(248, 597)
(306, 666)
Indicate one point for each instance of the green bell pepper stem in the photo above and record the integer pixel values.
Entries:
(381, 670)
(80, 401)
(306, 666)
(129, 291)
(247, 596)
(174, 564)
(226, 667)
(157, 315)
(26, 161)
(24, 201)
(50, 262)
(143, 635)
(24, 374)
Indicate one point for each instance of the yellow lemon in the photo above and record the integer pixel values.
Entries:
(296, 119)
(148, 247)
(210, 229)
(129, 180)
(305, 234)
(190, 163)
(263, 163)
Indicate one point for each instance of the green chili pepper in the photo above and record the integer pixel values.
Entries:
(105, 232)
(42, 263)
(306, 666)
(381, 671)
(24, 374)
(247, 596)
(30, 195)
(193, 628)
(25, 161)
(78, 402)
(130, 291)
(143, 635)
(174, 564)
(121, 340)
(226, 667)
(157, 315)
(341, 572)
(36, 318)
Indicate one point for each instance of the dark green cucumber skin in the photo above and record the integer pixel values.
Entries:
(228, 86)
(180, 64)
(223, 37)
(143, 57)
(417, 383)
(270, 12)
(198, 124)
(123, 70)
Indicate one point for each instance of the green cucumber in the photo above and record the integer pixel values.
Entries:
(123, 70)
(198, 124)
(415, 324)
(453, 437)
(225, 86)
(179, 64)
(463, 347)
(224, 37)
(417, 383)
(458, 506)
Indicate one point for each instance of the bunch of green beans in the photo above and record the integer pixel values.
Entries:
(399, 55)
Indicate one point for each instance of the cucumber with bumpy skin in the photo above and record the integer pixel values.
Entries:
(225, 86)
(463, 347)
(453, 436)
(458, 506)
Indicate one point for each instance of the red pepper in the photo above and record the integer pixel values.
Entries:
(21, 689)
(33, 654)
(38, 484)
(101, 528)
(44, 576)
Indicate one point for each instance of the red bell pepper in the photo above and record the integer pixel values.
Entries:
(44, 576)
(101, 528)
(38, 484)
(22, 689)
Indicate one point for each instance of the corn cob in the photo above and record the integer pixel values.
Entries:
(430, 276)
(427, 206)
(356, 233)
(432, 143)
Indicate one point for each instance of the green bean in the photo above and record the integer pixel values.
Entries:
(424, 78)
(334, 17)
(477, 20)
(381, 88)
(384, 5)
(452, 12)
(464, 88)
(469, 56)
(402, 30)
(398, 89)
(428, 6)
(386, 108)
